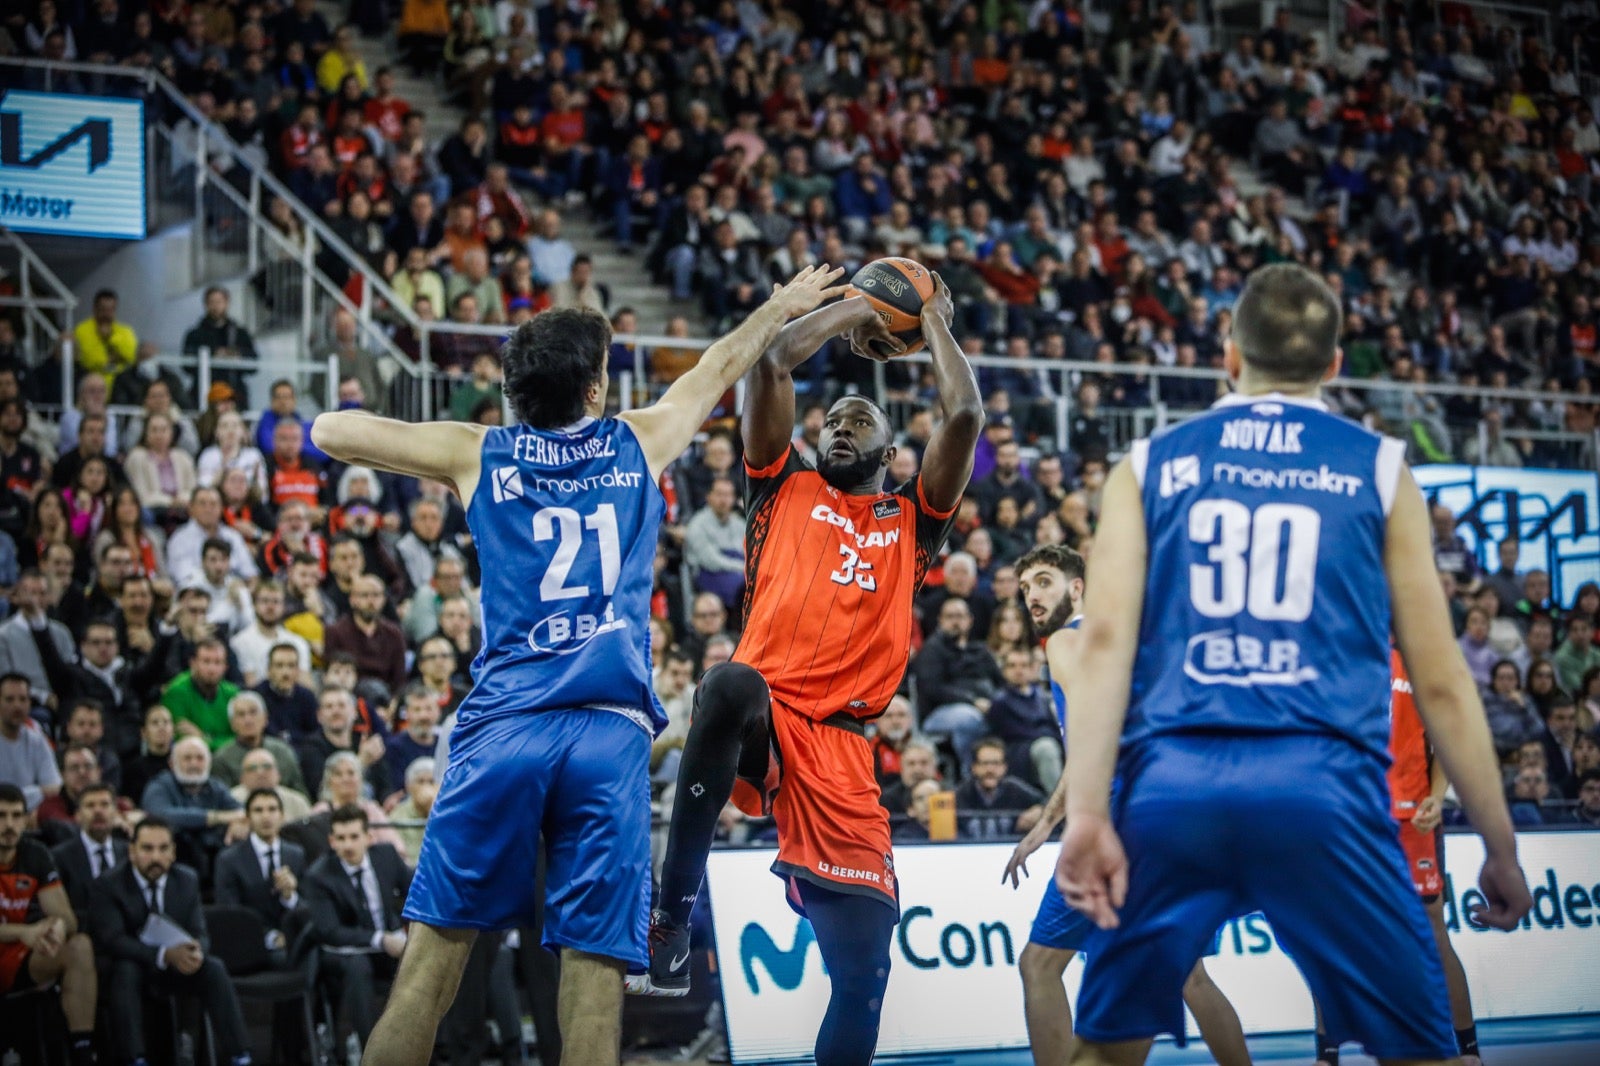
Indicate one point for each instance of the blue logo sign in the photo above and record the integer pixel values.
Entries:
(72, 164)
(786, 968)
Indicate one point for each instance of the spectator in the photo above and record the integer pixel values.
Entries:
(99, 844)
(420, 791)
(918, 763)
(1505, 582)
(1577, 654)
(1007, 481)
(1559, 738)
(1513, 719)
(86, 728)
(25, 758)
(247, 717)
(227, 598)
(991, 805)
(91, 445)
(101, 344)
(186, 546)
(291, 707)
(376, 643)
(1450, 552)
(282, 408)
(153, 883)
(354, 895)
(417, 739)
(714, 544)
(263, 871)
(203, 815)
(102, 682)
(354, 361)
(260, 770)
(1022, 718)
(961, 583)
(1475, 647)
(956, 679)
(161, 474)
(436, 669)
(1588, 810)
(891, 733)
(79, 604)
(253, 644)
(336, 716)
(199, 697)
(26, 632)
(579, 289)
(156, 735)
(231, 451)
(222, 336)
(474, 279)
(91, 401)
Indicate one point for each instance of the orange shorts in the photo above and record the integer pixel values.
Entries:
(1424, 855)
(14, 974)
(821, 790)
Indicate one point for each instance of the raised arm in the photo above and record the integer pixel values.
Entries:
(1448, 701)
(665, 428)
(1092, 871)
(444, 451)
(947, 462)
(768, 419)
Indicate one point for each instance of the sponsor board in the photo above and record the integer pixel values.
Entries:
(72, 165)
(953, 981)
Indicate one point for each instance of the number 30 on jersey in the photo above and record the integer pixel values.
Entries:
(1262, 561)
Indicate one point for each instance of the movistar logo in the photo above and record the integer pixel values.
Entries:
(786, 968)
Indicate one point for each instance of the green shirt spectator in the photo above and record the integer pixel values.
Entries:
(1577, 654)
(198, 698)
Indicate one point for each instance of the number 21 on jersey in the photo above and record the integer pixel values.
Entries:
(1262, 561)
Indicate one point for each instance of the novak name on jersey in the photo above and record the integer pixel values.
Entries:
(1266, 518)
(566, 525)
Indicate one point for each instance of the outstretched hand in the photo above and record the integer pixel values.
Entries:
(809, 289)
(872, 340)
(1092, 872)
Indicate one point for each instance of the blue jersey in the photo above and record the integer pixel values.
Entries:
(566, 524)
(1266, 608)
(1057, 695)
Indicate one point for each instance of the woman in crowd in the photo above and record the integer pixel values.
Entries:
(1543, 687)
(87, 498)
(232, 450)
(162, 475)
(158, 400)
(1008, 631)
(125, 525)
(1512, 716)
(243, 510)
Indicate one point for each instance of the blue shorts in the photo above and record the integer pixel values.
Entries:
(582, 779)
(1294, 826)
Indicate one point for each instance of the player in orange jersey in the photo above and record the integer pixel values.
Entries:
(834, 561)
(1417, 786)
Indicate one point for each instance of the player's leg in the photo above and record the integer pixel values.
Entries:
(1385, 987)
(853, 934)
(1218, 1021)
(1327, 1053)
(1455, 977)
(424, 988)
(728, 738)
(597, 836)
(74, 967)
(1110, 1053)
(1044, 1001)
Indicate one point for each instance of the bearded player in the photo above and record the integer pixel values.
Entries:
(1051, 581)
(1417, 785)
(834, 561)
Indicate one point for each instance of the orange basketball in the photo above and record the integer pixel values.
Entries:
(896, 288)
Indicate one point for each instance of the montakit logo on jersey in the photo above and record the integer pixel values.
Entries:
(507, 483)
(1322, 479)
(1179, 474)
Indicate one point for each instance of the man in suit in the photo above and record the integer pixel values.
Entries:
(263, 871)
(121, 904)
(1559, 737)
(355, 895)
(94, 851)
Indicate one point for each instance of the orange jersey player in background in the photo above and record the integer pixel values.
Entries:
(1417, 785)
(833, 563)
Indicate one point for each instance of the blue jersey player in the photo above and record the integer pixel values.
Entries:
(554, 738)
(1051, 581)
(1235, 651)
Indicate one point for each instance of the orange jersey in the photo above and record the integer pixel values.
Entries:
(830, 580)
(1409, 782)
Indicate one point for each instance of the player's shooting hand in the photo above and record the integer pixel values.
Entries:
(1092, 872)
(941, 306)
(808, 289)
(1030, 843)
(872, 340)
(1506, 889)
(1430, 812)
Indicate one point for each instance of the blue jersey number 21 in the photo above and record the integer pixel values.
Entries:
(1247, 551)
(568, 528)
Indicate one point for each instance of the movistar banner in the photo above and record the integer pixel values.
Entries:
(954, 984)
(72, 164)
(1554, 513)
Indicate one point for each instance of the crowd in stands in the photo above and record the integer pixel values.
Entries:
(210, 632)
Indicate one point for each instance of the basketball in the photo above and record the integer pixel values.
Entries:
(896, 288)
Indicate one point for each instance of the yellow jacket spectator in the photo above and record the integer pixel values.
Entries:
(340, 60)
(100, 343)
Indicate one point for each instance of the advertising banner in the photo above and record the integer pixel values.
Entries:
(953, 984)
(1554, 513)
(72, 164)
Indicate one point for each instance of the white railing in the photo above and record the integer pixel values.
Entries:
(39, 294)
